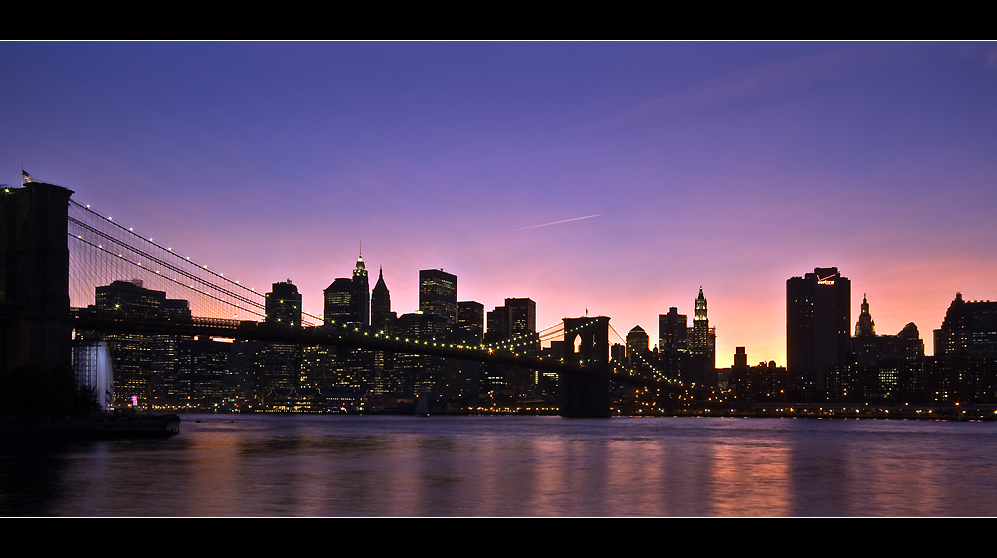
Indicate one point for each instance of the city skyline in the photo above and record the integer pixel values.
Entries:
(615, 178)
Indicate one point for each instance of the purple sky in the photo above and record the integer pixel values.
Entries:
(731, 166)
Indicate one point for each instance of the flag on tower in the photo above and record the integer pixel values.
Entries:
(25, 177)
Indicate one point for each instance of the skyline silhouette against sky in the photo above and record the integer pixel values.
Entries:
(612, 177)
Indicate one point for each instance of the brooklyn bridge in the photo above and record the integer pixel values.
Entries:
(57, 253)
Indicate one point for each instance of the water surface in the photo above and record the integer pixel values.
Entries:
(336, 465)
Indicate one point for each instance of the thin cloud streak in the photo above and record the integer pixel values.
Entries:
(787, 76)
(558, 222)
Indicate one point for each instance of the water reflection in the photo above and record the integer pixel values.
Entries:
(266, 465)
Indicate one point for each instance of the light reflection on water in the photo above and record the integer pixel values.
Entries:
(283, 465)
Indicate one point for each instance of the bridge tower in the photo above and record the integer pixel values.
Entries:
(34, 278)
(586, 392)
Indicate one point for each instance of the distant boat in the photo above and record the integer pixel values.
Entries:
(422, 407)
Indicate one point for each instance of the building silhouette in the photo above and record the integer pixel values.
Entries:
(338, 299)
(702, 343)
(964, 366)
(361, 293)
(673, 347)
(146, 367)
(818, 321)
(381, 316)
(883, 368)
(283, 305)
(281, 362)
(438, 294)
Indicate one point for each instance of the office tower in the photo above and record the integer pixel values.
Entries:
(522, 316)
(470, 321)
(417, 373)
(969, 328)
(964, 367)
(381, 316)
(282, 361)
(283, 305)
(514, 326)
(498, 325)
(702, 342)
(361, 293)
(740, 358)
(144, 366)
(818, 320)
(672, 331)
(339, 305)
(438, 294)
(638, 346)
(382, 319)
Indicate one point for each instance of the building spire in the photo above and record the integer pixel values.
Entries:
(865, 326)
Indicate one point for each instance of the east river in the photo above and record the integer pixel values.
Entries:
(338, 465)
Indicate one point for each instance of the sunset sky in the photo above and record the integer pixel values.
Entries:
(615, 178)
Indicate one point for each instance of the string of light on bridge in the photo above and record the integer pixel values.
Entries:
(229, 292)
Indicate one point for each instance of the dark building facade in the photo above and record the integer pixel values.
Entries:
(438, 294)
(818, 322)
(883, 368)
(145, 367)
(673, 346)
(283, 305)
(381, 316)
(361, 293)
(964, 366)
(338, 298)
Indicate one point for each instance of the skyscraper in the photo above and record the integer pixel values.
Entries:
(339, 302)
(702, 345)
(818, 320)
(283, 305)
(361, 293)
(964, 366)
(282, 361)
(470, 321)
(438, 294)
(381, 318)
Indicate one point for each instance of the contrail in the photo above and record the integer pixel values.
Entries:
(558, 222)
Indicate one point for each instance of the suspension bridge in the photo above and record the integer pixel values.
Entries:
(57, 254)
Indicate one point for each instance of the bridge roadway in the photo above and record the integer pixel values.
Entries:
(92, 320)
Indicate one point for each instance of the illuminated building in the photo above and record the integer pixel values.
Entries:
(969, 328)
(818, 320)
(283, 305)
(638, 345)
(144, 366)
(361, 293)
(514, 326)
(382, 319)
(702, 343)
(964, 366)
(438, 294)
(673, 348)
(338, 299)
(883, 367)
(470, 322)
(282, 361)
(416, 373)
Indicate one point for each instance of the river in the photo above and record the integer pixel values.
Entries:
(498, 466)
